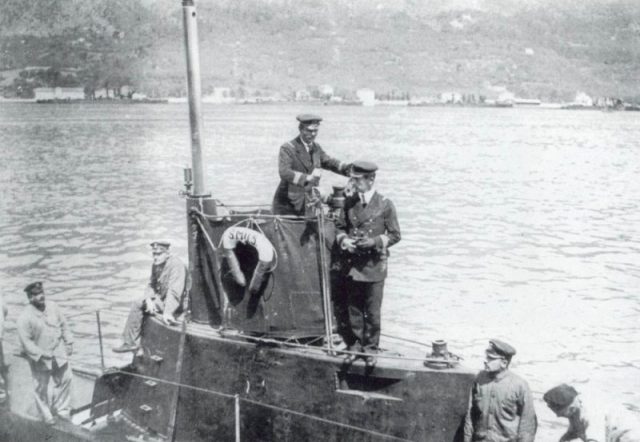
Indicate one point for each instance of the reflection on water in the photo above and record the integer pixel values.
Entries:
(522, 224)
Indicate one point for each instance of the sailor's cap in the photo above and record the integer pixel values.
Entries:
(560, 396)
(361, 168)
(500, 349)
(309, 119)
(160, 242)
(34, 288)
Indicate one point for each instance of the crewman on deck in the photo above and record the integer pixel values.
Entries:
(589, 420)
(369, 227)
(299, 164)
(46, 340)
(165, 295)
(500, 404)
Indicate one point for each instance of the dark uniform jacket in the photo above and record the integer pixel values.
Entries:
(377, 220)
(294, 164)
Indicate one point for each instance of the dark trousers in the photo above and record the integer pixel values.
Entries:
(133, 326)
(363, 309)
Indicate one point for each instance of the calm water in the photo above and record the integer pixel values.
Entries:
(521, 224)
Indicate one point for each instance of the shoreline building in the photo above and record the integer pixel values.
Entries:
(59, 93)
(366, 96)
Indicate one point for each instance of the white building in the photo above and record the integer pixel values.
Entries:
(102, 93)
(59, 93)
(325, 91)
(450, 98)
(506, 98)
(366, 96)
(219, 95)
(583, 99)
(303, 95)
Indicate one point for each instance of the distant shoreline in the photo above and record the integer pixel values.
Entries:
(171, 100)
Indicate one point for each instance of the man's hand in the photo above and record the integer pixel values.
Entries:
(150, 306)
(569, 435)
(312, 181)
(168, 319)
(366, 243)
(69, 349)
(348, 244)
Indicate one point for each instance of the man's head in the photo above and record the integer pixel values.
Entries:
(160, 251)
(562, 400)
(309, 125)
(35, 293)
(498, 356)
(363, 175)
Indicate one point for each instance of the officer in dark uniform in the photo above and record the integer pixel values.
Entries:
(369, 227)
(299, 164)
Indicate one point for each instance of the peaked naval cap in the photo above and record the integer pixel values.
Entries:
(35, 288)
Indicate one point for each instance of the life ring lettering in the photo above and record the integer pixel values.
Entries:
(243, 237)
(230, 239)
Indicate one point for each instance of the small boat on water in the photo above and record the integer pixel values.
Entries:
(258, 361)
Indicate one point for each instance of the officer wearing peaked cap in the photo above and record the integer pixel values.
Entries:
(300, 162)
(165, 295)
(500, 349)
(368, 228)
(160, 243)
(500, 405)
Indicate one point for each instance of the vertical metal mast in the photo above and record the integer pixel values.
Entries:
(195, 94)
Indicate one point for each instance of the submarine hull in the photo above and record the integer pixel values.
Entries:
(271, 392)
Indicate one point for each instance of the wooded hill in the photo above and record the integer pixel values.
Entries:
(535, 48)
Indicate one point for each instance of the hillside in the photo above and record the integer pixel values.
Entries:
(535, 48)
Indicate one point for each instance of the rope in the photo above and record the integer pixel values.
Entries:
(225, 307)
(206, 235)
(378, 355)
(303, 346)
(261, 215)
(405, 340)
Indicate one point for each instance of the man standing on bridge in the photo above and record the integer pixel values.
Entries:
(299, 164)
(369, 227)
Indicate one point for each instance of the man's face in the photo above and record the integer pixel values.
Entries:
(37, 300)
(362, 183)
(494, 364)
(309, 133)
(562, 411)
(159, 253)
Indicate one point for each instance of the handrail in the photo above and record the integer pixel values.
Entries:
(247, 400)
(238, 399)
(282, 343)
(262, 404)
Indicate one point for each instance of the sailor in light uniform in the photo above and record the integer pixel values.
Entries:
(369, 227)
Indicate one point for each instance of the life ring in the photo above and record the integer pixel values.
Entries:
(234, 235)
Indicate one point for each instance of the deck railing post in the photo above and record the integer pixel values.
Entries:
(100, 339)
(237, 413)
(325, 282)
